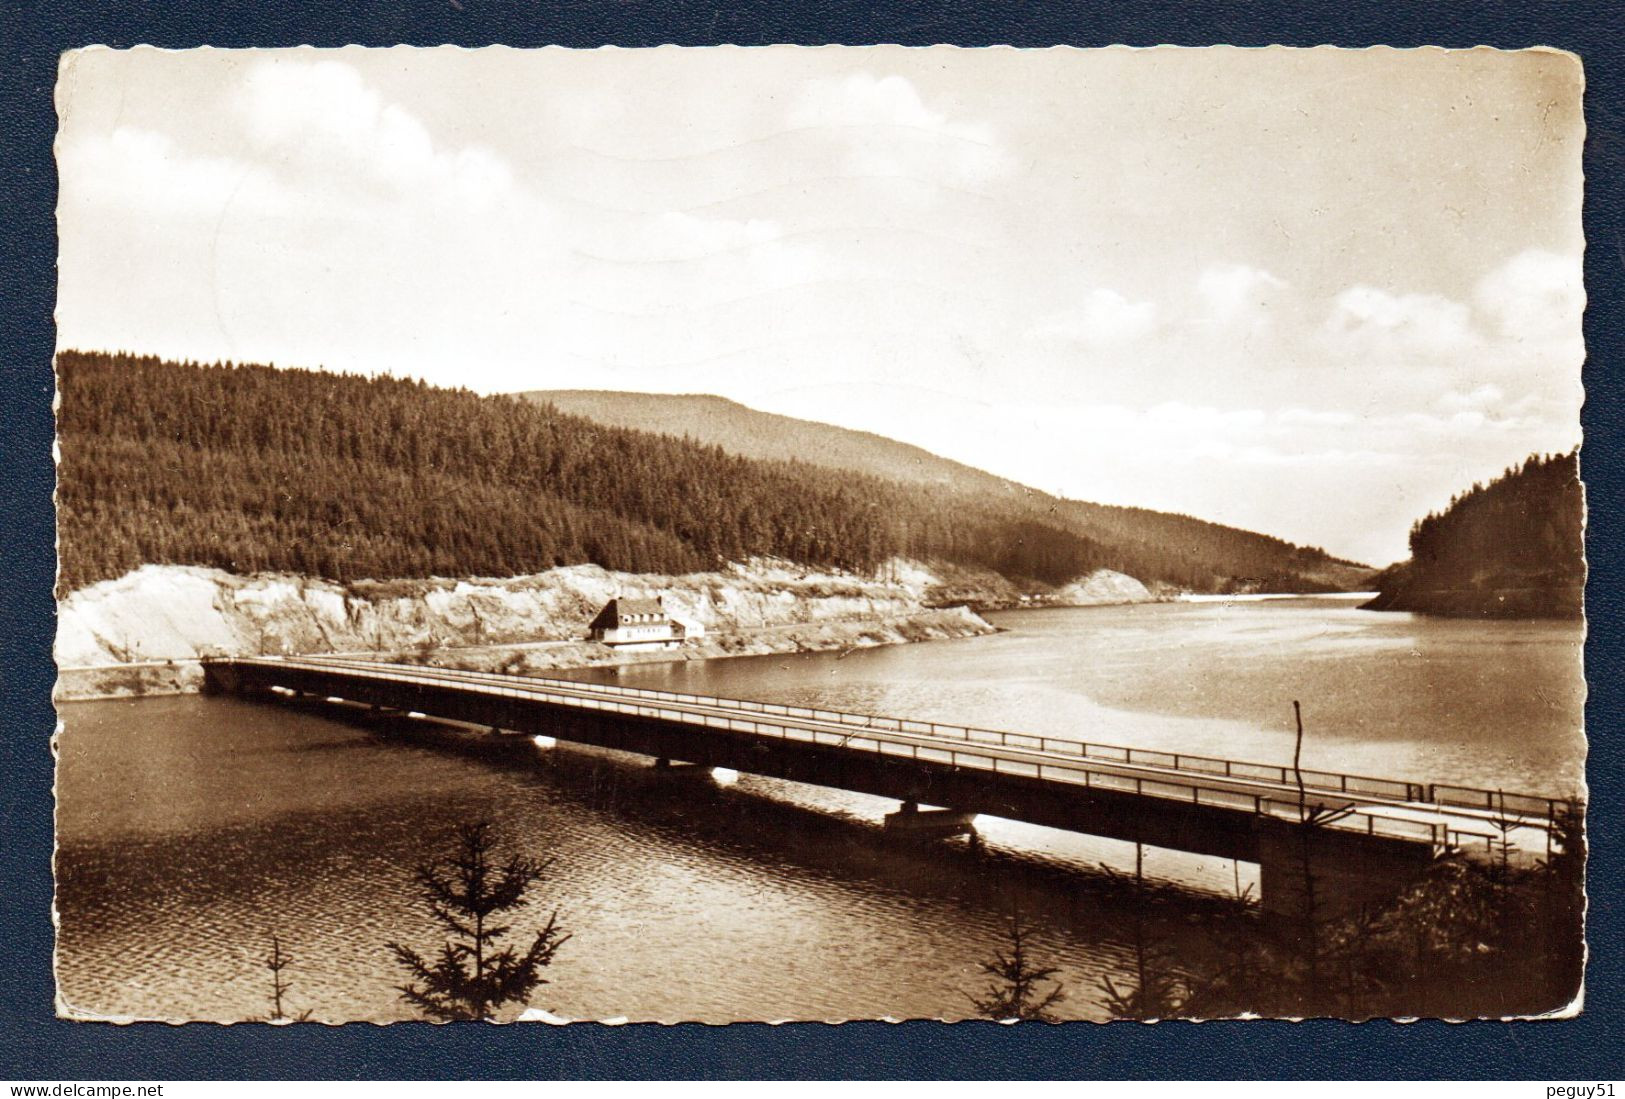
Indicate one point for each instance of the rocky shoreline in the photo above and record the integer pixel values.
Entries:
(148, 631)
(140, 679)
(930, 625)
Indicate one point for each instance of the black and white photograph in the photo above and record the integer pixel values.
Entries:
(776, 534)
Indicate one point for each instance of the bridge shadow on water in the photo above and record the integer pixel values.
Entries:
(1083, 887)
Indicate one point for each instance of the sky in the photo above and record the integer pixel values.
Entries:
(1307, 292)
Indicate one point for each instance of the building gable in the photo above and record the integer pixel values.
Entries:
(620, 614)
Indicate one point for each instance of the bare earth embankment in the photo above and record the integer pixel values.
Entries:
(146, 632)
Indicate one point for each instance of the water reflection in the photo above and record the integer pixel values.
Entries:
(689, 898)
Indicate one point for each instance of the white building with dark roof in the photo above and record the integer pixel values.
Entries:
(637, 624)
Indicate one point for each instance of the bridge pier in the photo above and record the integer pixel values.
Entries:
(680, 767)
(917, 823)
(221, 679)
(1319, 874)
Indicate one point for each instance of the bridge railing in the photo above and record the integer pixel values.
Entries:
(1512, 804)
(1340, 782)
(1499, 801)
(1342, 818)
(1362, 785)
(1113, 753)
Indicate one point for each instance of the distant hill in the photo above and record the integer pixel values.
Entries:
(717, 421)
(1513, 548)
(1149, 545)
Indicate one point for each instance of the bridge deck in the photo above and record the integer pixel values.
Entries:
(1378, 807)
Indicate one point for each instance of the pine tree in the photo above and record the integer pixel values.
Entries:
(1015, 992)
(277, 963)
(1154, 994)
(473, 974)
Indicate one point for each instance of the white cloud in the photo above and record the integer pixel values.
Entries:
(143, 170)
(1104, 318)
(1179, 417)
(1480, 399)
(1236, 294)
(320, 121)
(321, 144)
(1535, 295)
(1367, 321)
(1529, 307)
(888, 130)
(755, 250)
(343, 210)
(862, 99)
(701, 235)
(1294, 435)
(1309, 417)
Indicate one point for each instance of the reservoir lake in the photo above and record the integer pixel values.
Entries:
(192, 829)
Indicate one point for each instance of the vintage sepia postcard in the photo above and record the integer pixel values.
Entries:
(728, 534)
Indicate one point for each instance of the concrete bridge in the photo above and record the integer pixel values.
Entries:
(1344, 840)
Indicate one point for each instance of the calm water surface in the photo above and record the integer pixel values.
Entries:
(192, 829)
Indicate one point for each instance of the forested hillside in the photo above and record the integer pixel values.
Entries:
(250, 468)
(1512, 548)
(1182, 550)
